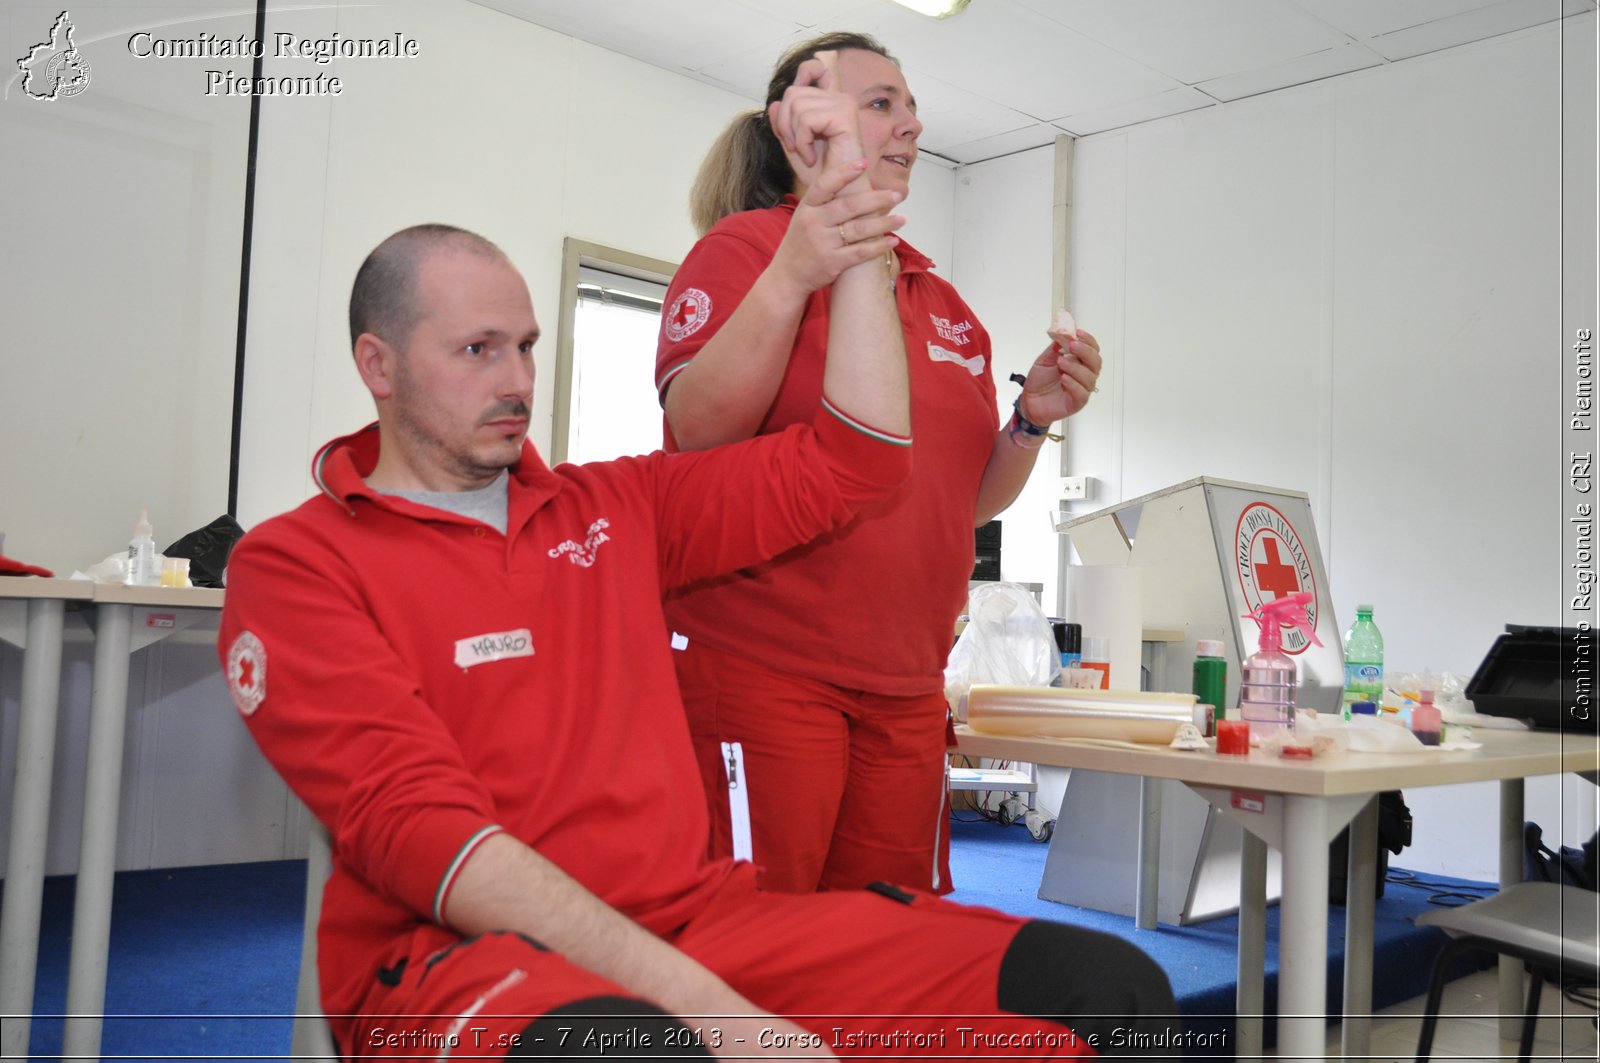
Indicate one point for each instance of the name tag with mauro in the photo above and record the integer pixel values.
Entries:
(497, 646)
(973, 365)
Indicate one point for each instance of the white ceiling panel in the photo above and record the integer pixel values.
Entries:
(1373, 18)
(1472, 26)
(952, 115)
(747, 72)
(987, 78)
(681, 41)
(805, 13)
(1335, 61)
(1148, 109)
(1032, 64)
(1193, 42)
(1033, 136)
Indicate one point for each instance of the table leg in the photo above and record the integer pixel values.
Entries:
(1303, 929)
(1251, 993)
(1512, 816)
(30, 821)
(97, 855)
(1147, 891)
(1360, 911)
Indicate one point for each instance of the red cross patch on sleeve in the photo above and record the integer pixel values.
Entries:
(688, 312)
(247, 672)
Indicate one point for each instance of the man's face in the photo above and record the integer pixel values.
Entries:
(463, 384)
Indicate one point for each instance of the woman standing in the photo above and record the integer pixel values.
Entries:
(814, 684)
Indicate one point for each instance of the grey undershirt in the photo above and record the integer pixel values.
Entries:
(485, 504)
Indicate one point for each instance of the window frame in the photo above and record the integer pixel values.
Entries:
(577, 255)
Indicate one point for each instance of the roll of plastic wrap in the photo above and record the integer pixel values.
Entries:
(1053, 712)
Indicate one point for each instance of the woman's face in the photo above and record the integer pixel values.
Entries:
(888, 115)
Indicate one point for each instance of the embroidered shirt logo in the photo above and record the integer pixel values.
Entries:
(973, 365)
(496, 646)
(955, 333)
(583, 554)
(687, 314)
(247, 672)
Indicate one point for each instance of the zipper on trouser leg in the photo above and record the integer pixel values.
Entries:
(738, 800)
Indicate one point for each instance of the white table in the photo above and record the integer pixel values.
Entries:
(126, 619)
(32, 617)
(1302, 806)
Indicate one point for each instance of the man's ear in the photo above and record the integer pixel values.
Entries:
(375, 361)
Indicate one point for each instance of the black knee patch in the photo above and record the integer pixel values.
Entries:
(894, 893)
(1106, 990)
(618, 1028)
(391, 976)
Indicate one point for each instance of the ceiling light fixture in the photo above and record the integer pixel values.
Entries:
(934, 8)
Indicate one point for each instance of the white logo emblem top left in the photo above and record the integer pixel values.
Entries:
(585, 553)
(54, 69)
(687, 314)
(247, 672)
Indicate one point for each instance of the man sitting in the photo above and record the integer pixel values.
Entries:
(456, 657)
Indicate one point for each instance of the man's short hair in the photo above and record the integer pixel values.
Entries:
(383, 299)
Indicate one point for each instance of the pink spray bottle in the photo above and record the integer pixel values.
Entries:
(1267, 687)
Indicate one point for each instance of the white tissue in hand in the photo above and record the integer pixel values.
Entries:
(1064, 323)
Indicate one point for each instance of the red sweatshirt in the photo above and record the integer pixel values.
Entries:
(870, 606)
(422, 681)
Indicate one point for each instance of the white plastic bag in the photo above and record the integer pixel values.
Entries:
(1007, 641)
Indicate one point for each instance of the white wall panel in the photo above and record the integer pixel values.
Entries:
(1003, 231)
(1354, 289)
(1447, 261)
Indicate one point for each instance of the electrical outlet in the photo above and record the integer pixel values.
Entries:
(1076, 488)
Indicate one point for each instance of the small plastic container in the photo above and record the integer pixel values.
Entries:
(1069, 642)
(1210, 677)
(1427, 722)
(142, 568)
(1233, 738)
(1097, 655)
(1069, 645)
(174, 571)
(1364, 708)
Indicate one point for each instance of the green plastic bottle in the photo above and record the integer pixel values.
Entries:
(1211, 677)
(1363, 661)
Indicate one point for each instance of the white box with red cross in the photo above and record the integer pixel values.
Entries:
(1210, 551)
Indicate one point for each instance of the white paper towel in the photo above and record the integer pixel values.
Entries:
(1106, 601)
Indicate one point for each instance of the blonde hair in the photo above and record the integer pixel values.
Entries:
(746, 168)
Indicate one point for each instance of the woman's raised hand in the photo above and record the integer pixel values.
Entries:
(835, 227)
(1062, 378)
(815, 122)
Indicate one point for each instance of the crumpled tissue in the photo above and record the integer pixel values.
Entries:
(1362, 734)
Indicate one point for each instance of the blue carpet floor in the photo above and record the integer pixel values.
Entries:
(999, 867)
(204, 959)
